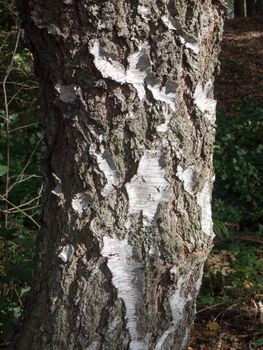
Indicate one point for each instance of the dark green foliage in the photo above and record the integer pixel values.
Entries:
(20, 176)
(234, 269)
(238, 161)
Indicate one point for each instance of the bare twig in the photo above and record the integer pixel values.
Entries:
(13, 210)
(209, 308)
(21, 175)
(21, 179)
(20, 210)
(24, 127)
(24, 86)
(247, 237)
(17, 294)
(28, 202)
(7, 121)
(14, 96)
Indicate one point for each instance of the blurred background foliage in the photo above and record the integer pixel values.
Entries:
(20, 177)
(234, 271)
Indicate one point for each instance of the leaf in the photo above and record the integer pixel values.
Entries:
(213, 326)
(207, 300)
(24, 291)
(3, 170)
(259, 342)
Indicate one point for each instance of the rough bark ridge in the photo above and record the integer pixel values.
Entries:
(128, 114)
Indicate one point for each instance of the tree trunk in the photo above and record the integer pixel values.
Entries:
(259, 7)
(239, 8)
(251, 8)
(126, 95)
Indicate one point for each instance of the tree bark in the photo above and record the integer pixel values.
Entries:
(239, 8)
(126, 94)
(259, 7)
(251, 8)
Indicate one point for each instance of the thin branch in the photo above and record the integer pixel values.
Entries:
(21, 211)
(7, 121)
(17, 294)
(24, 86)
(22, 179)
(26, 165)
(29, 202)
(14, 96)
(24, 127)
(240, 237)
(14, 211)
(29, 175)
(209, 307)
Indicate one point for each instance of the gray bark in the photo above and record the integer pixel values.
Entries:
(129, 119)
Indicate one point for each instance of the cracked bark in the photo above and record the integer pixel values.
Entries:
(126, 93)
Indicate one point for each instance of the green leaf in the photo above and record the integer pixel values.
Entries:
(24, 291)
(3, 170)
(259, 342)
(207, 300)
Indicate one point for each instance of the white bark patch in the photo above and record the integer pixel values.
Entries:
(114, 324)
(81, 202)
(178, 300)
(135, 74)
(138, 73)
(204, 103)
(148, 188)
(66, 253)
(188, 177)
(108, 168)
(188, 42)
(160, 94)
(145, 12)
(204, 200)
(67, 92)
(167, 117)
(168, 23)
(127, 274)
(177, 304)
(57, 190)
(93, 346)
(193, 46)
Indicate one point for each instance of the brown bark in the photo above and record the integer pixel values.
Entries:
(128, 115)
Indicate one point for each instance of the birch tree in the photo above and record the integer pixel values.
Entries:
(128, 113)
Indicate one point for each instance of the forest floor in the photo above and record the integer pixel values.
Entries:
(241, 73)
(237, 326)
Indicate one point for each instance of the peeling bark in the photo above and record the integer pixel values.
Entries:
(126, 92)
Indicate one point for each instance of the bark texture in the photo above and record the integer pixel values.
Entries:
(126, 91)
